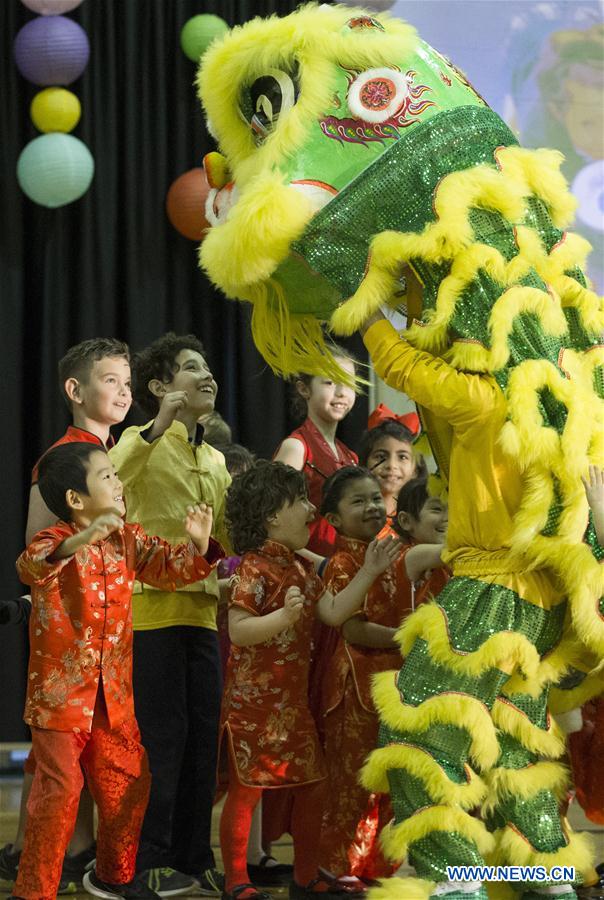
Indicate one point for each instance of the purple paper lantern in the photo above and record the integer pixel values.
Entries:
(51, 50)
(51, 7)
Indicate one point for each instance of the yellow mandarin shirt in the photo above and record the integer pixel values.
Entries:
(160, 480)
(485, 485)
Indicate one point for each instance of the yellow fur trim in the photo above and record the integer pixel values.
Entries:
(256, 235)
(547, 742)
(513, 847)
(402, 889)
(525, 783)
(569, 653)
(500, 890)
(539, 170)
(448, 708)
(395, 839)
(316, 40)
(419, 763)
(505, 650)
(561, 701)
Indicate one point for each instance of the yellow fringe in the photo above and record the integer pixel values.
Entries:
(561, 701)
(395, 839)
(513, 847)
(419, 763)
(503, 650)
(449, 708)
(547, 742)
(525, 783)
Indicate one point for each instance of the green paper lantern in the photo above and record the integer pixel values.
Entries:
(55, 169)
(55, 109)
(199, 32)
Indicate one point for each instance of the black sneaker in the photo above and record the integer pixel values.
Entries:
(9, 863)
(211, 883)
(137, 889)
(74, 868)
(168, 882)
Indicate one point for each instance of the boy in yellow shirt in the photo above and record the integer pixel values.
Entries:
(177, 677)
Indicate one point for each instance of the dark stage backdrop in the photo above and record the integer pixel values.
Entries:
(110, 263)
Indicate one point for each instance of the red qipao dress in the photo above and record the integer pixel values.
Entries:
(271, 734)
(353, 818)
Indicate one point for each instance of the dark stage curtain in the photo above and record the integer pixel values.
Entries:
(110, 263)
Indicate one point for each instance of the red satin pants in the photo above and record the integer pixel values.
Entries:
(117, 775)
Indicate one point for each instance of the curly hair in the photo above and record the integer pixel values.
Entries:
(158, 360)
(398, 431)
(336, 484)
(255, 496)
(78, 361)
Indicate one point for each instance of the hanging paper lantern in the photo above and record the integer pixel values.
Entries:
(55, 109)
(51, 7)
(185, 204)
(51, 50)
(55, 169)
(199, 32)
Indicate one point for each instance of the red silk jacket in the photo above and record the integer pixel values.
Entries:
(81, 621)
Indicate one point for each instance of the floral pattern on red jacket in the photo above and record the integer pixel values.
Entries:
(81, 621)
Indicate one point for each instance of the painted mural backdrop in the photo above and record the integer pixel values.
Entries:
(540, 65)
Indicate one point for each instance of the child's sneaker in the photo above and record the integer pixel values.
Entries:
(168, 882)
(9, 863)
(211, 883)
(137, 889)
(74, 867)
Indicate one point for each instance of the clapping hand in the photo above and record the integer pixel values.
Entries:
(293, 604)
(380, 555)
(198, 525)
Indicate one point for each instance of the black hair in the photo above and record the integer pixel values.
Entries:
(255, 496)
(79, 359)
(158, 360)
(238, 459)
(398, 431)
(62, 469)
(412, 498)
(336, 484)
(216, 431)
(298, 403)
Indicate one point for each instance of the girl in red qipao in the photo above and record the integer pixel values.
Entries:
(352, 820)
(387, 450)
(268, 732)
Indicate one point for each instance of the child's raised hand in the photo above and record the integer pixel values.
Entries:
(103, 526)
(198, 525)
(594, 487)
(380, 555)
(171, 404)
(293, 604)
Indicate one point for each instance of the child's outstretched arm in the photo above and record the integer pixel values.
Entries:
(421, 558)
(369, 634)
(246, 629)
(98, 530)
(335, 610)
(594, 488)
(198, 525)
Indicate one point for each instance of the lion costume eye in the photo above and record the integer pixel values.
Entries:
(376, 94)
(266, 99)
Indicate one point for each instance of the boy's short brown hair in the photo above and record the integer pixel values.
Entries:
(78, 361)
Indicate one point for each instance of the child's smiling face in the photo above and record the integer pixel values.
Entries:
(290, 524)
(192, 374)
(361, 512)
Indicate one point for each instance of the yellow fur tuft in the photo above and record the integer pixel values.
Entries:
(419, 763)
(402, 889)
(548, 742)
(395, 839)
(525, 783)
(512, 847)
(460, 710)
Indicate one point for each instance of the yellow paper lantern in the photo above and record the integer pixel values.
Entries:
(55, 109)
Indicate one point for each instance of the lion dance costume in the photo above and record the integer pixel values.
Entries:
(360, 166)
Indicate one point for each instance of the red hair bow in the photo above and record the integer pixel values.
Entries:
(382, 414)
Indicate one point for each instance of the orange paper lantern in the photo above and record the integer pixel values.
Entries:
(185, 204)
